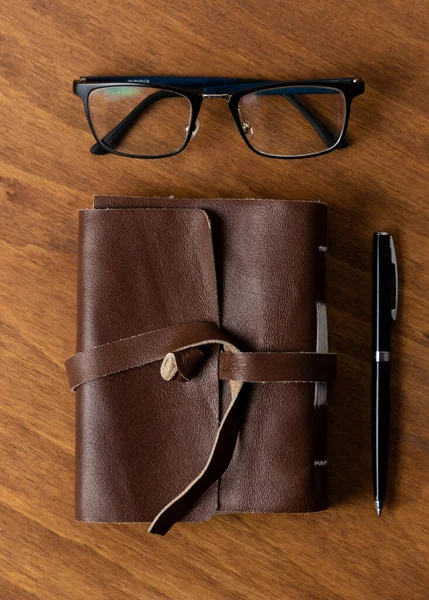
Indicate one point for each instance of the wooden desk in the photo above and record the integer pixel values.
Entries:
(379, 183)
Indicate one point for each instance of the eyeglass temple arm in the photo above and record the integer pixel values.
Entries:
(324, 132)
(114, 137)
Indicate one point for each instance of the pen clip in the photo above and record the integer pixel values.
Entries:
(394, 310)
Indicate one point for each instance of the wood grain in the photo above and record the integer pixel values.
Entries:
(379, 183)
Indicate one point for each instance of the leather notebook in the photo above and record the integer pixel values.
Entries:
(202, 365)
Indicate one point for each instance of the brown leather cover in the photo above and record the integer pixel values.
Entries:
(182, 303)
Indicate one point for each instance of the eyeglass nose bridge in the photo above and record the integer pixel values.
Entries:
(227, 96)
(198, 122)
(246, 126)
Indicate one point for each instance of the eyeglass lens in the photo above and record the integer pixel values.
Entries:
(140, 120)
(293, 121)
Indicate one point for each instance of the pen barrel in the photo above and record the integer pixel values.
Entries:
(380, 426)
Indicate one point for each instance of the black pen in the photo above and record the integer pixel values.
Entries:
(384, 309)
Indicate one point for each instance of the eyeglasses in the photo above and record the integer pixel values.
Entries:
(156, 117)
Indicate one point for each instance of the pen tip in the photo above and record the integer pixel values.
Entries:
(378, 507)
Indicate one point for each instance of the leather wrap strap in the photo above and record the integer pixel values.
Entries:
(299, 367)
(177, 348)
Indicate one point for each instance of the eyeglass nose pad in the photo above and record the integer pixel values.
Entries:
(195, 131)
(246, 126)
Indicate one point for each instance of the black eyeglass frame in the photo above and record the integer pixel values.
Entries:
(196, 89)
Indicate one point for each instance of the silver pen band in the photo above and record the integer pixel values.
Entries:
(381, 356)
